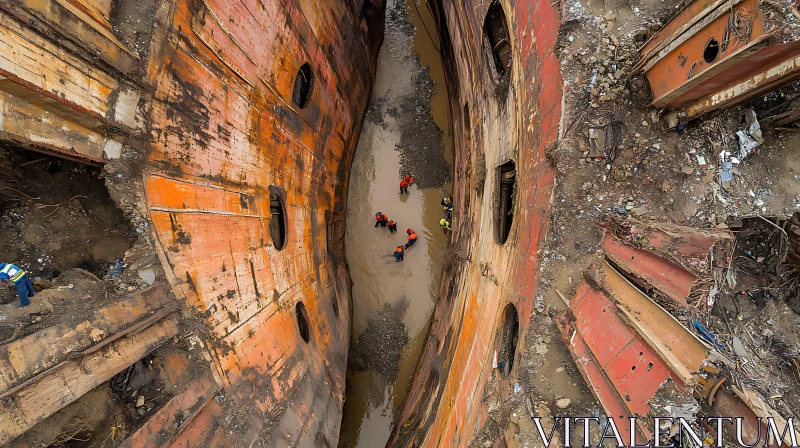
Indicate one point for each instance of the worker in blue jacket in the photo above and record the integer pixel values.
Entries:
(11, 272)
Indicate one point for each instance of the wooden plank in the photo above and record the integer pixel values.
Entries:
(32, 125)
(98, 10)
(24, 358)
(39, 64)
(31, 405)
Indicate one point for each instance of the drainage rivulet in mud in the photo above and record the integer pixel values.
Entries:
(393, 302)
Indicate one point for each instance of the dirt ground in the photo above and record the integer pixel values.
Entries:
(59, 224)
(56, 214)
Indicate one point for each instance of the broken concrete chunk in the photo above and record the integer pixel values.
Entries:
(563, 403)
(597, 141)
(148, 275)
(738, 348)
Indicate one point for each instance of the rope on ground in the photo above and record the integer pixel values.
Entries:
(41, 206)
(14, 189)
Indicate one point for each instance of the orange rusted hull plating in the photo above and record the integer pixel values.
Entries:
(227, 136)
(495, 122)
(195, 103)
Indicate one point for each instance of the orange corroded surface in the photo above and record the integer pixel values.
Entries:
(190, 104)
(227, 136)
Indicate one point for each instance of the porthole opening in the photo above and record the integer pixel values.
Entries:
(506, 193)
(495, 31)
(508, 349)
(303, 86)
(711, 52)
(302, 321)
(277, 222)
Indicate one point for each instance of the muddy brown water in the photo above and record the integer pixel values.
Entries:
(408, 106)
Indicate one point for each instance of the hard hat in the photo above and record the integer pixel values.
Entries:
(378, 214)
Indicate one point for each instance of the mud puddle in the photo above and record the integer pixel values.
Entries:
(393, 302)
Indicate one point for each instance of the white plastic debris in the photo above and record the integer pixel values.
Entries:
(751, 137)
(746, 144)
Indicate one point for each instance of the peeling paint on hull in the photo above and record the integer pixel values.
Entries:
(194, 101)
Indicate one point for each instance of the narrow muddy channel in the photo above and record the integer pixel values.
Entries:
(392, 302)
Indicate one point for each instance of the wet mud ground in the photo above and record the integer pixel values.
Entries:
(393, 302)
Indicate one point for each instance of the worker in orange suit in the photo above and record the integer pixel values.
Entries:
(412, 238)
(408, 179)
(398, 254)
(381, 219)
(392, 226)
(403, 186)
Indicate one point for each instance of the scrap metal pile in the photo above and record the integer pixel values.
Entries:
(650, 330)
(718, 54)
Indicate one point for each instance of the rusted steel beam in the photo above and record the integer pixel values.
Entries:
(678, 347)
(72, 379)
(601, 387)
(672, 280)
(690, 82)
(677, 25)
(730, 401)
(634, 370)
(758, 82)
(688, 247)
(696, 63)
(623, 353)
(691, 245)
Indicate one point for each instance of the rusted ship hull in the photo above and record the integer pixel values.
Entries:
(237, 172)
